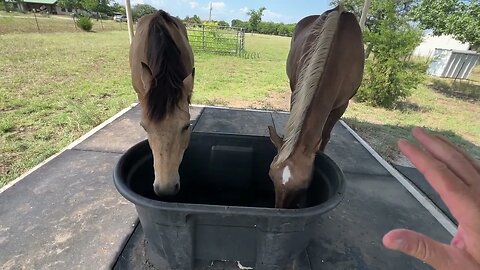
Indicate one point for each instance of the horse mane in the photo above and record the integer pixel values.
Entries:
(309, 78)
(168, 71)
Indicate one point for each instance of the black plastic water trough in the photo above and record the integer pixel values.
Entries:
(224, 210)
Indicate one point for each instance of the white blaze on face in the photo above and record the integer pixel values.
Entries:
(286, 175)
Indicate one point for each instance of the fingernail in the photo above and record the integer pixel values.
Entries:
(398, 244)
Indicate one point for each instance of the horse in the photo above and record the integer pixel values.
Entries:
(162, 70)
(325, 68)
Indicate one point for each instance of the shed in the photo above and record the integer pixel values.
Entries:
(456, 64)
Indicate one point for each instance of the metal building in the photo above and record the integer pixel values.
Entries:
(452, 63)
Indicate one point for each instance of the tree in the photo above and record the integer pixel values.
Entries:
(70, 4)
(376, 12)
(96, 6)
(239, 23)
(458, 18)
(255, 18)
(142, 9)
(4, 5)
(390, 76)
(223, 24)
(117, 8)
(193, 20)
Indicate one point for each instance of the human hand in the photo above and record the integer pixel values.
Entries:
(456, 177)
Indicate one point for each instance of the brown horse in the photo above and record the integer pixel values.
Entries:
(325, 68)
(161, 62)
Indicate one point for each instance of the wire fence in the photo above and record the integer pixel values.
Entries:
(216, 39)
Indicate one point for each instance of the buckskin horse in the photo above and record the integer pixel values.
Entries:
(162, 69)
(325, 68)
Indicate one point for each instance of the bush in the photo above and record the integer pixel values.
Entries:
(389, 75)
(388, 81)
(85, 23)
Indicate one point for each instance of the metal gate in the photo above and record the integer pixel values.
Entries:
(216, 39)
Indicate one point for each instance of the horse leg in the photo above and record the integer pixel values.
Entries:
(331, 121)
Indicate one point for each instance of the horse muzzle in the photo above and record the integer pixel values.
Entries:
(166, 188)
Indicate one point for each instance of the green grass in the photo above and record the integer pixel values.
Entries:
(54, 92)
(56, 86)
(25, 23)
(235, 81)
(455, 118)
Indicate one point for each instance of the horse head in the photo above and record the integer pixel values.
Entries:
(291, 175)
(161, 62)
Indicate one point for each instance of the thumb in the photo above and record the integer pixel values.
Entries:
(419, 246)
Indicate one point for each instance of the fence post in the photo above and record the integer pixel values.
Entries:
(35, 15)
(237, 45)
(203, 37)
(74, 23)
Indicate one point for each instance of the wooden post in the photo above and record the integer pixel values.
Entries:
(363, 19)
(203, 36)
(36, 20)
(74, 23)
(128, 9)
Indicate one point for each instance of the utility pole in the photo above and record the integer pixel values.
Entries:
(363, 18)
(210, 16)
(128, 10)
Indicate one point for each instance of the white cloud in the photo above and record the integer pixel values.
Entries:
(218, 5)
(244, 10)
(193, 4)
(270, 14)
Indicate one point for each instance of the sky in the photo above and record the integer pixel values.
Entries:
(286, 11)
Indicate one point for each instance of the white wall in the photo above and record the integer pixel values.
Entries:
(427, 47)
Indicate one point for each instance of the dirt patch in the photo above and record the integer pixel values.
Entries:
(276, 100)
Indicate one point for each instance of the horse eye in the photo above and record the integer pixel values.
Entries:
(186, 127)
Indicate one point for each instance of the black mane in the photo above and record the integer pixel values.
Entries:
(168, 71)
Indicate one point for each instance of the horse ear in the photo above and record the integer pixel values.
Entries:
(276, 140)
(146, 77)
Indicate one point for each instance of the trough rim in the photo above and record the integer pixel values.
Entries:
(189, 208)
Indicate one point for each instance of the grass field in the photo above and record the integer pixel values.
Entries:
(56, 86)
(25, 23)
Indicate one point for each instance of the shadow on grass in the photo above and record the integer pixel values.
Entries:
(465, 90)
(383, 138)
(408, 106)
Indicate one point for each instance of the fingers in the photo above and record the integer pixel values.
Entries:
(418, 246)
(475, 163)
(449, 155)
(458, 240)
(438, 255)
(452, 190)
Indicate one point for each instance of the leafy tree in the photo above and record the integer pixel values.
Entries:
(376, 12)
(70, 4)
(117, 8)
(255, 18)
(142, 9)
(96, 6)
(390, 76)
(223, 23)
(194, 20)
(239, 24)
(458, 18)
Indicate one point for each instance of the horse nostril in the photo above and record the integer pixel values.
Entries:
(177, 187)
